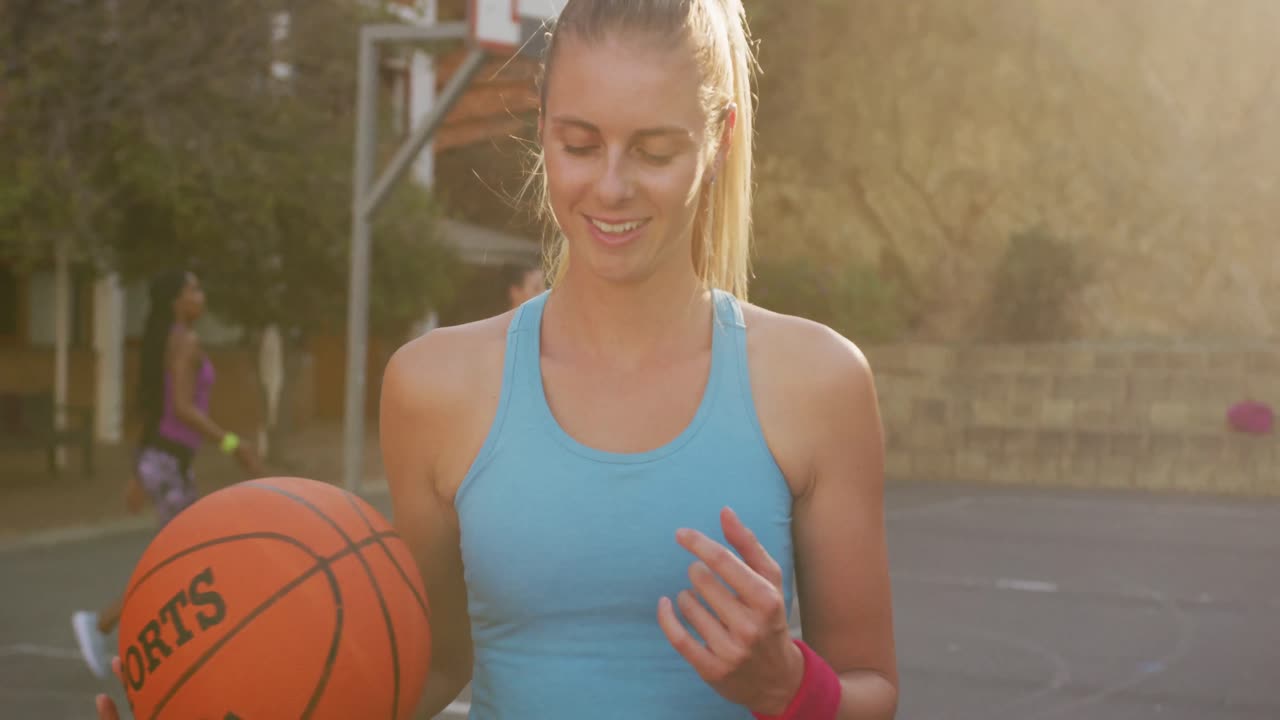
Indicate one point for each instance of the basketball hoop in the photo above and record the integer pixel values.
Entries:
(510, 27)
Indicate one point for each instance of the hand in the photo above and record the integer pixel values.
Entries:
(106, 706)
(135, 498)
(749, 657)
(250, 461)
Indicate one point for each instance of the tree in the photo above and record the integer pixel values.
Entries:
(214, 135)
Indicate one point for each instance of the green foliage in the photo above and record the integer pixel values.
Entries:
(1033, 287)
(849, 296)
(412, 266)
(167, 142)
(813, 259)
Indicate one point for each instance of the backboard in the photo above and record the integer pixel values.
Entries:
(510, 26)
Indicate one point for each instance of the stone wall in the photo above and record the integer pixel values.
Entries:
(1118, 416)
(1141, 133)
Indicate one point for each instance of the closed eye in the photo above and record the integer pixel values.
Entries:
(655, 158)
(579, 149)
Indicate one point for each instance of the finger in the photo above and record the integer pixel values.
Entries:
(695, 653)
(749, 547)
(106, 708)
(717, 637)
(751, 585)
(117, 668)
(729, 608)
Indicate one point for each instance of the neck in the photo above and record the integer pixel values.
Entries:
(628, 324)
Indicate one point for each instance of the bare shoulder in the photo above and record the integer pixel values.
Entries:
(439, 394)
(183, 344)
(811, 387)
(803, 353)
(447, 361)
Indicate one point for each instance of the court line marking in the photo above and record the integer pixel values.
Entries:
(374, 488)
(456, 709)
(43, 651)
(377, 487)
(1262, 509)
(462, 709)
(66, 535)
(1003, 583)
(1060, 678)
(1184, 628)
(1130, 592)
(28, 693)
(125, 526)
(1033, 586)
(930, 508)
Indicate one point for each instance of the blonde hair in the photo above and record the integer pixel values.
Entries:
(717, 30)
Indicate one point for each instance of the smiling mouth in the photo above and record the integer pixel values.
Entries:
(617, 228)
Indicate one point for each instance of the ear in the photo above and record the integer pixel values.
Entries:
(726, 141)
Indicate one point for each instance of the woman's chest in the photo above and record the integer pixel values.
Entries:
(542, 539)
(626, 411)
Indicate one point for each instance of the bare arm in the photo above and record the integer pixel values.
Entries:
(842, 558)
(181, 359)
(414, 429)
(817, 407)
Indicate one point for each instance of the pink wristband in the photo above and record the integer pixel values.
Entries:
(819, 695)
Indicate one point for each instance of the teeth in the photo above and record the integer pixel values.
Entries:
(624, 227)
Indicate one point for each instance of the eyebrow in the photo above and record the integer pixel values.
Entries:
(645, 133)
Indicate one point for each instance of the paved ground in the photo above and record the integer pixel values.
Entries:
(32, 500)
(1010, 604)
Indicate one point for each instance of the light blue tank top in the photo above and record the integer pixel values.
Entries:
(567, 549)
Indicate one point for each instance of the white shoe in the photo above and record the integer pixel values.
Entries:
(93, 644)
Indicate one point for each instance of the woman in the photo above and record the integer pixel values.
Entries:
(610, 489)
(175, 381)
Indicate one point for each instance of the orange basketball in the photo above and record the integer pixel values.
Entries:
(280, 597)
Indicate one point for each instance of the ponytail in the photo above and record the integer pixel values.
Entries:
(164, 290)
(722, 235)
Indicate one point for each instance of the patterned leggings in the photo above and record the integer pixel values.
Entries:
(171, 486)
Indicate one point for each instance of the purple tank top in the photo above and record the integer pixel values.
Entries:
(171, 426)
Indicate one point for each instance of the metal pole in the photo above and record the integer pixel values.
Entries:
(358, 283)
(365, 201)
(62, 337)
(108, 341)
(417, 33)
(422, 135)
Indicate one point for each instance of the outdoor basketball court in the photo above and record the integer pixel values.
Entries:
(1010, 604)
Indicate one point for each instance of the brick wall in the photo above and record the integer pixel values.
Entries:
(1115, 416)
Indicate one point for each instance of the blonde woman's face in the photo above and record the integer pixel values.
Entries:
(625, 142)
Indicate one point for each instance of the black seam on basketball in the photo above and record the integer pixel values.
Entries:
(422, 604)
(323, 564)
(373, 583)
(219, 541)
(330, 659)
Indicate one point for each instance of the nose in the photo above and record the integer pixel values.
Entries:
(615, 184)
